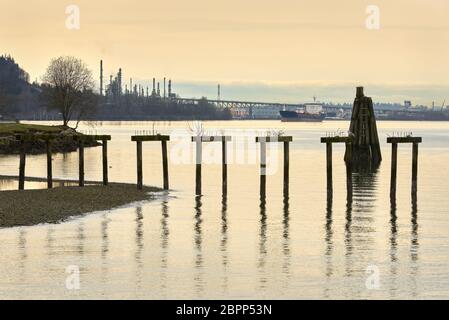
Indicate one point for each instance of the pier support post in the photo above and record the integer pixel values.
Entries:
(224, 160)
(394, 167)
(263, 169)
(165, 164)
(105, 162)
(394, 155)
(199, 156)
(349, 170)
(139, 165)
(81, 162)
(22, 166)
(415, 169)
(329, 169)
(49, 166)
(286, 167)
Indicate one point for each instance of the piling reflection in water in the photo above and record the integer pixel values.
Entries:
(198, 241)
(224, 240)
(139, 239)
(165, 232)
(262, 245)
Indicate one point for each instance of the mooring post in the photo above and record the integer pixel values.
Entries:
(49, 166)
(105, 162)
(224, 161)
(286, 167)
(139, 165)
(22, 165)
(165, 164)
(394, 167)
(349, 169)
(329, 168)
(415, 169)
(199, 156)
(81, 162)
(263, 168)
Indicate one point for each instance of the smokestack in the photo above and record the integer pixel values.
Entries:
(101, 77)
(169, 88)
(158, 90)
(119, 79)
(219, 93)
(164, 88)
(130, 85)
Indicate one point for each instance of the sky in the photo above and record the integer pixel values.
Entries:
(284, 50)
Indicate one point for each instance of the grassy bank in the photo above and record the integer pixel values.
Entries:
(31, 207)
(64, 143)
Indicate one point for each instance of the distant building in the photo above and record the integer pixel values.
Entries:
(407, 104)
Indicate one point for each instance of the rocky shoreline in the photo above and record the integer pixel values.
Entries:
(9, 144)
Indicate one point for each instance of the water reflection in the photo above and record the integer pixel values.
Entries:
(286, 239)
(393, 249)
(164, 242)
(198, 240)
(262, 245)
(224, 240)
(414, 246)
(329, 247)
(139, 246)
(23, 254)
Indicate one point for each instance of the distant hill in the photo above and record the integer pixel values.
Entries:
(14, 85)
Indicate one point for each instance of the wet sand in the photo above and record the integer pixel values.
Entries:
(31, 207)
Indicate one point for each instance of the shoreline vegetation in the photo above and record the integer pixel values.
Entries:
(32, 207)
(64, 143)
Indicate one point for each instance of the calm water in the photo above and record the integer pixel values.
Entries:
(179, 246)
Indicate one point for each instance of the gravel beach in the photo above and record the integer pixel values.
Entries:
(31, 207)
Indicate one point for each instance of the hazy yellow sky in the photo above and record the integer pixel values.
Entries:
(284, 41)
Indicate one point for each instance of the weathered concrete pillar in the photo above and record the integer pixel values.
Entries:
(22, 166)
(105, 162)
(49, 166)
(394, 166)
(139, 165)
(165, 164)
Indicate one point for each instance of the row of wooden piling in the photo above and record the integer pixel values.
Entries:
(48, 138)
(199, 140)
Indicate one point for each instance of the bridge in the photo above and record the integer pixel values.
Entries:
(232, 104)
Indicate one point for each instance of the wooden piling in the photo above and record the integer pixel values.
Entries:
(394, 167)
(81, 162)
(22, 166)
(224, 161)
(263, 169)
(199, 156)
(349, 170)
(139, 165)
(165, 164)
(414, 169)
(49, 166)
(329, 168)
(105, 162)
(286, 167)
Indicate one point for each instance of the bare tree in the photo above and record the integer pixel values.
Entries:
(68, 87)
